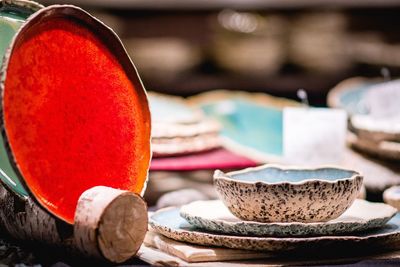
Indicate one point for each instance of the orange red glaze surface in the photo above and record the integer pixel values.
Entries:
(72, 116)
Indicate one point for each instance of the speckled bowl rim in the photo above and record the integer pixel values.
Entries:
(227, 176)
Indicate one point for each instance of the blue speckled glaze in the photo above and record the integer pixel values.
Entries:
(250, 124)
(276, 175)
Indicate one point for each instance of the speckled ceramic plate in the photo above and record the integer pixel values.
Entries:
(169, 223)
(214, 216)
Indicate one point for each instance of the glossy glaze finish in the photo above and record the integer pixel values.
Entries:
(89, 118)
(12, 16)
(273, 193)
(239, 117)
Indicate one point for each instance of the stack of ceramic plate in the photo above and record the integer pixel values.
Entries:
(283, 209)
(180, 129)
(374, 115)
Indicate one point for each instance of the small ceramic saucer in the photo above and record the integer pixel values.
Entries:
(386, 150)
(169, 223)
(392, 196)
(214, 216)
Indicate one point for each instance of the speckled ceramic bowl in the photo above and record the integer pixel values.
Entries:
(272, 193)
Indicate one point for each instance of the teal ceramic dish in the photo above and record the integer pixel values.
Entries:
(273, 193)
(377, 136)
(252, 123)
(348, 95)
(238, 125)
(169, 223)
(212, 215)
(12, 16)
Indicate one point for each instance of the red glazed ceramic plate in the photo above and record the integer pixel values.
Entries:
(74, 110)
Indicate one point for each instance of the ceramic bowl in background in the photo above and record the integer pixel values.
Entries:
(272, 193)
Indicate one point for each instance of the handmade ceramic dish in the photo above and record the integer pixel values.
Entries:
(169, 223)
(212, 215)
(54, 126)
(272, 193)
(376, 129)
(387, 150)
(349, 93)
(252, 123)
(179, 128)
(172, 109)
(392, 196)
(366, 101)
(12, 16)
(175, 146)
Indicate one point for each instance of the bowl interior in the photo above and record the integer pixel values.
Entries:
(276, 175)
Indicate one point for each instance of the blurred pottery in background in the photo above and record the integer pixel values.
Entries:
(372, 48)
(247, 43)
(392, 196)
(163, 58)
(180, 197)
(387, 150)
(318, 42)
(179, 128)
(252, 123)
(374, 115)
(260, 136)
(112, 21)
(273, 193)
(348, 95)
(382, 121)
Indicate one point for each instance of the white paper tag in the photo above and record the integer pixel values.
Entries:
(314, 136)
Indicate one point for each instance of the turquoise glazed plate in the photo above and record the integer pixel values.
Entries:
(12, 15)
(251, 123)
(214, 216)
(349, 93)
(172, 109)
(169, 223)
(375, 137)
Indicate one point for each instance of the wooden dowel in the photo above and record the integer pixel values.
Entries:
(110, 224)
